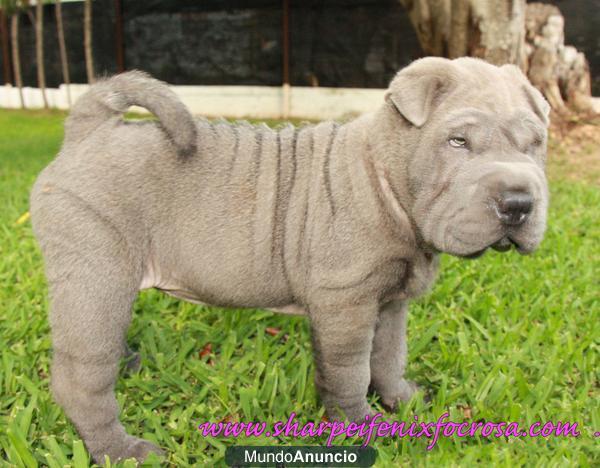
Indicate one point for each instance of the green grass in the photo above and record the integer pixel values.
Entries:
(500, 338)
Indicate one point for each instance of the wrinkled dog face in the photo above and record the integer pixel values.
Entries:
(477, 172)
(494, 193)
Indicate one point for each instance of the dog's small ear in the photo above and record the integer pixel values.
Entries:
(538, 103)
(418, 88)
(534, 97)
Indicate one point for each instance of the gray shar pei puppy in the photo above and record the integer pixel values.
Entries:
(343, 223)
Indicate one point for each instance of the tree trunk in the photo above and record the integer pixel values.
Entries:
(508, 31)
(87, 40)
(14, 32)
(492, 30)
(62, 47)
(39, 49)
(560, 72)
(6, 69)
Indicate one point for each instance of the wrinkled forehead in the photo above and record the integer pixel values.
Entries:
(516, 122)
(494, 88)
(486, 117)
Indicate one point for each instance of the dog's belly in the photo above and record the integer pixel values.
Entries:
(181, 292)
(155, 277)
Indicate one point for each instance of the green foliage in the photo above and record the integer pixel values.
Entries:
(500, 338)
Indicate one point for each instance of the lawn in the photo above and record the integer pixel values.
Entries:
(504, 337)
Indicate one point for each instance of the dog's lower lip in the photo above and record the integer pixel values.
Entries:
(504, 244)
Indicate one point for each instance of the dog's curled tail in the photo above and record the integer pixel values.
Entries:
(110, 98)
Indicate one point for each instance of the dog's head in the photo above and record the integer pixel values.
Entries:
(475, 139)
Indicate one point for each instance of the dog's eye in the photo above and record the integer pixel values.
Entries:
(457, 142)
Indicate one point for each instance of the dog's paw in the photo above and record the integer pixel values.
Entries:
(402, 393)
(360, 417)
(130, 447)
(354, 414)
(140, 449)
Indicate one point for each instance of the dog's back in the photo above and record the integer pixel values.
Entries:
(237, 193)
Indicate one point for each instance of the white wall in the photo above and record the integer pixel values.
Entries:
(233, 101)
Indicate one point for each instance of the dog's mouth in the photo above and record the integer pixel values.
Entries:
(501, 245)
(505, 244)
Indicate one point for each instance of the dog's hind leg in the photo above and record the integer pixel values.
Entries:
(93, 278)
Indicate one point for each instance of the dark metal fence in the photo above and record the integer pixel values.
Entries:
(349, 43)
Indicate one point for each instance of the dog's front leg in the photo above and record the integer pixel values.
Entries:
(342, 343)
(388, 358)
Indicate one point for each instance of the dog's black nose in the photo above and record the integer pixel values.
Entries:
(514, 206)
